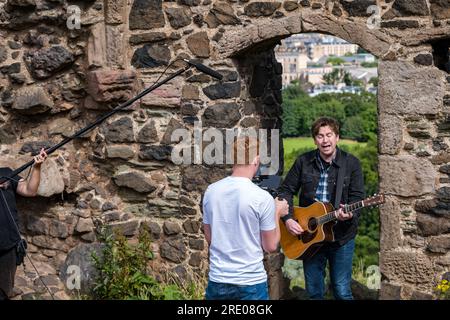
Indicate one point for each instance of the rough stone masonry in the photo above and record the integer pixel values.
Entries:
(56, 77)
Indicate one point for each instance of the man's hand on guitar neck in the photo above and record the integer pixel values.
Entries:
(341, 215)
(282, 207)
(293, 227)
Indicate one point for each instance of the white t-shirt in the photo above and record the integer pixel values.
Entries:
(237, 211)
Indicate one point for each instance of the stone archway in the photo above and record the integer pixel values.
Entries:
(412, 123)
(54, 79)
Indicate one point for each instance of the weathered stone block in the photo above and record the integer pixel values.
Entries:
(111, 85)
(168, 95)
(173, 250)
(115, 11)
(404, 8)
(81, 256)
(32, 100)
(119, 151)
(178, 17)
(290, 5)
(171, 228)
(429, 225)
(96, 46)
(3, 53)
(440, 244)
(190, 92)
(191, 226)
(121, 131)
(406, 266)
(147, 37)
(425, 206)
(126, 228)
(115, 46)
(196, 178)
(146, 15)
(173, 125)
(443, 194)
(441, 158)
(46, 62)
(221, 115)
(159, 153)
(391, 134)
(223, 90)
(153, 228)
(261, 9)
(51, 179)
(424, 59)
(222, 13)
(196, 259)
(390, 233)
(390, 291)
(148, 133)
(440, 9)
(84, 225)
(395, 95)
(406, 176)
(400, 24)
(197, 244)
(134, 180)
(198, 44)
(358, 8)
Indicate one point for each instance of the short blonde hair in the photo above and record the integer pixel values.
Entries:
(245, 149)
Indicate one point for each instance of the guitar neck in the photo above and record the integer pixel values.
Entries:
(332, 215)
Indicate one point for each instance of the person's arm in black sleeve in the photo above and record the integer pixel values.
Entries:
(291, 186)
(356, 187)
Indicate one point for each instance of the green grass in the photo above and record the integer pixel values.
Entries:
(291, 144)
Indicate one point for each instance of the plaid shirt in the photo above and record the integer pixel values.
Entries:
(322, 194)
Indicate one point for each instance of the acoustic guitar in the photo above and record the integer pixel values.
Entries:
(317, 221)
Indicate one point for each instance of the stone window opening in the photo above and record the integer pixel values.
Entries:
(441, 54)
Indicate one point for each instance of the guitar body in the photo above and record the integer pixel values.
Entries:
(307, 244)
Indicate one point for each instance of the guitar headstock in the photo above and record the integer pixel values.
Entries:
(375, 200)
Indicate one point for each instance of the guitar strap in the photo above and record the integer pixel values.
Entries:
(340, 183)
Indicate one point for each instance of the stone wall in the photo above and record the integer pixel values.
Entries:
(55, 80)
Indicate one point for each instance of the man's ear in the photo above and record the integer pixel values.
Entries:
(256, 160)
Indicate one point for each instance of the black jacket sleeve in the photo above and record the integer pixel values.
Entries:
(291, 186)
(356, 185)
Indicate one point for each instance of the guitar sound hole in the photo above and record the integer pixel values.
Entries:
(312, 224)
(306, 237)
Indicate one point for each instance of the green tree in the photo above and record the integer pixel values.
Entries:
(374, 81)
(334, 77)
(335, 61)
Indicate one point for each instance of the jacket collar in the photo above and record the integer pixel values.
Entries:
(337, 161)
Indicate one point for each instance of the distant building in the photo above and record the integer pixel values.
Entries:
(359, 58)
(359, 73)
(330, 46)
(373, 90)
(304, 57)
(314, 74)
(326, 88)
(351, 89)
(294, 62)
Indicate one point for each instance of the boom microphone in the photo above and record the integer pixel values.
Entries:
(204, 69)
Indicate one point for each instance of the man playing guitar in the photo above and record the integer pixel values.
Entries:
(316, 175)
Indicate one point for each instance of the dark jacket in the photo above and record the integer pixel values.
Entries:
(304, 176)
(9, 235)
